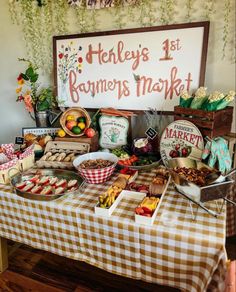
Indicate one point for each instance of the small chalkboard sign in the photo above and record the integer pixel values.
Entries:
(19, 140)
(151, 133)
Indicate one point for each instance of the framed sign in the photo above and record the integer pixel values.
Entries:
(132, 69)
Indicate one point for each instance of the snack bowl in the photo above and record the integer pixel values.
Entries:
(96, 175)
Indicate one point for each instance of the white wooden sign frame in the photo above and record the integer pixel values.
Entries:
(134, 69)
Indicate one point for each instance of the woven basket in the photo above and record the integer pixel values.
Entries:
(77, 112)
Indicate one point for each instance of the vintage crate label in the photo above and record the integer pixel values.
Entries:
(181, 139)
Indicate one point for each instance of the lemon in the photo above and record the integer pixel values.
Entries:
(61, 133)
(70, 118)
(81, 125)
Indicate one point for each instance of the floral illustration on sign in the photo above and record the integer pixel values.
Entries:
(67, 59)
(113, 135)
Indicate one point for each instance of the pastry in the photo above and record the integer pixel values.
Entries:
(120, 182)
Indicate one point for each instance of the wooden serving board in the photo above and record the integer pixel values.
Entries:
(93, 142)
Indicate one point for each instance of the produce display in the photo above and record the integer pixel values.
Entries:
(47, 185)
(121, 153)
(137, 156)
(197, 176)
(75, 125)
(107, 199)
(95, 164)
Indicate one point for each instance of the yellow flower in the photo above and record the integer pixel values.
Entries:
(18, 90)
(21, 81)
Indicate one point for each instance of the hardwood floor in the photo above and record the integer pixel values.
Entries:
(32, 270)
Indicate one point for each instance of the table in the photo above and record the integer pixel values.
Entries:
(181, 253)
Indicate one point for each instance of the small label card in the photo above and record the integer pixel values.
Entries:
(151, 133)
(19, 140)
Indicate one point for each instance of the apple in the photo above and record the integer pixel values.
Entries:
(71, 124)
(90, 132)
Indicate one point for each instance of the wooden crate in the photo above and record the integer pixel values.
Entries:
(93, 142)
(59, 147)
(211, 124)
(231, 139)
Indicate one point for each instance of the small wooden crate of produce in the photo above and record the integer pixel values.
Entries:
(210, 123)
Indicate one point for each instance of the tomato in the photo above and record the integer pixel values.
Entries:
(90, 132)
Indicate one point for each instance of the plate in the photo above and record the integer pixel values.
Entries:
(141, 167)
(66, 174)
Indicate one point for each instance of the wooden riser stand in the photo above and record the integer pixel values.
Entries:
(211, 124)
(93, 142)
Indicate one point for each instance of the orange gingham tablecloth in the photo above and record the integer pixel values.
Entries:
(176, 251)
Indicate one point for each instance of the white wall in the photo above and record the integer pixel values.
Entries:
(220, 74)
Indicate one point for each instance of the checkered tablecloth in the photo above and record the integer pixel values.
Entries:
(176, 251)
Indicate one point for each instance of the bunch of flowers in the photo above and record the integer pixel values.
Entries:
(28, 90)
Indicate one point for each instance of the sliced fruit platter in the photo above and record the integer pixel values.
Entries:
(45, 185)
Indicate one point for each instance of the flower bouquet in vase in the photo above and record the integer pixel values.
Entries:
(39, 102)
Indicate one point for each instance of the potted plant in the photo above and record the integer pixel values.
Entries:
(39, 102)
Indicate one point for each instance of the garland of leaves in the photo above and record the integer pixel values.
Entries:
(227, 9)
(209, 9)
(45, 18)
(189, 7)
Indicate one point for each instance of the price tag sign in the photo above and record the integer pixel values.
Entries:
(151, 133)
(19, 140)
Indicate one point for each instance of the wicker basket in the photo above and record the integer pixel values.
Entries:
(77, 112)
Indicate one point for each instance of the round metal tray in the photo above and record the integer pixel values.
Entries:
(141, 167)
(66, 174)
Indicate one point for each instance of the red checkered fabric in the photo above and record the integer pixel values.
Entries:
(97, 176)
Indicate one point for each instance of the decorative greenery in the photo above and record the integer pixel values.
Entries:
(227, 8)
(209, 8)
(29, 93)
(41, 19)
(189, 7)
